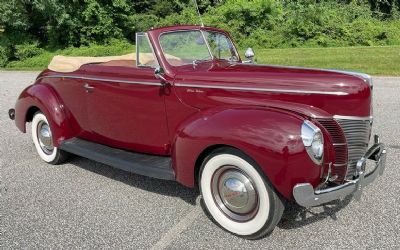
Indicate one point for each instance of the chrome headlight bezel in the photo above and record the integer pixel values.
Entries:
(313, 141)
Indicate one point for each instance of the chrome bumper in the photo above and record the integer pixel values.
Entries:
(306, 196)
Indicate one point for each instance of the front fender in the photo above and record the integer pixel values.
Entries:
(270, 136)
(44, 98)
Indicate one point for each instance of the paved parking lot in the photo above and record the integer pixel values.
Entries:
(83, 204)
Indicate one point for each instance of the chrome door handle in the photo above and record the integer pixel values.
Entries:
(88, 88)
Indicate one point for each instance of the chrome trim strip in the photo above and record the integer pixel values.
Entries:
(358, 118)
(340, 165)
(260, 89)
(101, 79)
(216, 87)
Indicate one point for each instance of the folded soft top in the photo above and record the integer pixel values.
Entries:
(70, 64)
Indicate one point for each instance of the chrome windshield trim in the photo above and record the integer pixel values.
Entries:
(208, 45)
(358, 118)
(101, 79)
(260, 89)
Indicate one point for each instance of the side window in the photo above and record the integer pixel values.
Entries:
(144, 52)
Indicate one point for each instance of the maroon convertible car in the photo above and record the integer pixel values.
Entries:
(186, 107)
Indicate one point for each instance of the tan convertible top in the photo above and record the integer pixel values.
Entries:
(70, 64)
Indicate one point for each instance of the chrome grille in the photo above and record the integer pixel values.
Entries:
(357, 133)
(339, 168)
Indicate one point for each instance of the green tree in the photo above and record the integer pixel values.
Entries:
(30, 25)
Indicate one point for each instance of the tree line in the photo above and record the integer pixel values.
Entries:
(29, 26)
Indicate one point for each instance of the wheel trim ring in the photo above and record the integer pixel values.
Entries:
(221, 204)
(45, 141)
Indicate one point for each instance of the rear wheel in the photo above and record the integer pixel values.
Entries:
(43, 140)
(237, 195)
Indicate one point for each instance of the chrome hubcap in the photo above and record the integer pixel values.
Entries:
(44, 137)
(234, 193)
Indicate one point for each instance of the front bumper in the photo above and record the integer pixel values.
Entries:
(306, 196)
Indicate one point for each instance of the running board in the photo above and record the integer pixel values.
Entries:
(159, 167)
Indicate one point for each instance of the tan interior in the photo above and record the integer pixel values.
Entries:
(120, 63)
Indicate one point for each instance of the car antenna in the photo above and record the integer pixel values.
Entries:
(198, 12)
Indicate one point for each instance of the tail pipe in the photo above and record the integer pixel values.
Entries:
(11, 114)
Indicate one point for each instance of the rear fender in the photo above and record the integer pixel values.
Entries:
(269, 136)
(44, 98)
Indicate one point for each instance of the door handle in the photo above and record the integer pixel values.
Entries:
(88, 88)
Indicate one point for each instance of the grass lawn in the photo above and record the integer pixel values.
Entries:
(372, 60)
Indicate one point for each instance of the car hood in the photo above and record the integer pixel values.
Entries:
(323, 91)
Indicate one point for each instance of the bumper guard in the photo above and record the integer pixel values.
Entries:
(306, 196)
(11, 114)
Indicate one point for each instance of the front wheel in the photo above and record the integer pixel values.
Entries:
(237, 195)
(43, 140)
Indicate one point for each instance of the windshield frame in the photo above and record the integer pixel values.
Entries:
(212, 57)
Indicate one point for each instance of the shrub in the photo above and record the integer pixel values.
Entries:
(392, 32)
(101, 28)
(24, 51)
(111, 48)
(139, 23)
(3, 56)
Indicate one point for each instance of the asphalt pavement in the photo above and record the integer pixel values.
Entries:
(84, 204)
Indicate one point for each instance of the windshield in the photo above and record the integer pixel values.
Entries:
(188, 47)
(220, 46)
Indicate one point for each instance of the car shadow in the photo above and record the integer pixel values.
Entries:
(293, 217)
(163, 187)
(296, 216)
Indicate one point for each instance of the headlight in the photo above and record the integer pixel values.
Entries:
(313, 141)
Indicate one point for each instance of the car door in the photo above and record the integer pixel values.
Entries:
(126, 109)
(74, 98)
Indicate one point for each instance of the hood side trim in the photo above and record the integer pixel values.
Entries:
(189, 85)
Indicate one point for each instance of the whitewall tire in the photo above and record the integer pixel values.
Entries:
(237, 195)
(43, 140)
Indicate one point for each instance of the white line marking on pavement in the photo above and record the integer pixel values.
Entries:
(174, 232)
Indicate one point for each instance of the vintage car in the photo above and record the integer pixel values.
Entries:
(185, 107)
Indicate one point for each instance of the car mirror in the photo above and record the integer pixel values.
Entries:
(249, 54)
